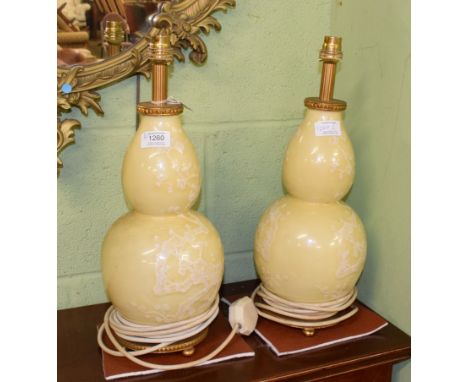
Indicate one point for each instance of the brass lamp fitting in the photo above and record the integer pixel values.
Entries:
(160, 53)
(114, 35)
(331, 49)
(330, 55)
(160, 49)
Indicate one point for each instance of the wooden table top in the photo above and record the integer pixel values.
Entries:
(79, 357)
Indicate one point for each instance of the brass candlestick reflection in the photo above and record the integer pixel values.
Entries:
(114, 36)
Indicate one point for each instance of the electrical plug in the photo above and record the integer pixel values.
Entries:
(242, 312)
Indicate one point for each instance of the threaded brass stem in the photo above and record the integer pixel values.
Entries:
(327, 84)
(159, 82)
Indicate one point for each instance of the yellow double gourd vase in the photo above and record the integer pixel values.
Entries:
(310, 246)
(162, 262)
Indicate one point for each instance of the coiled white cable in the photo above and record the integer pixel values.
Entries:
(161, 336)
(303, 315)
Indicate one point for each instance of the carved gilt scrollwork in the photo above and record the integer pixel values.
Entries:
(65, 137)
(190, 17)
(75, 84)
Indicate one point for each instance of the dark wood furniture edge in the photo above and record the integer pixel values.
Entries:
(355, 361)
(339, 369)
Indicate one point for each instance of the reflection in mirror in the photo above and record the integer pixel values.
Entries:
(94, 40)
(89, 31)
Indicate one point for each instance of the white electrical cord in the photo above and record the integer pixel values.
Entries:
(161, 336)
(303, 315)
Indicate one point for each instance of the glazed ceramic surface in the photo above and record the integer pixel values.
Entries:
(162, 269)
(319, 168)
(161, 180)
(309, 246)
(309, 252)
(161, 262)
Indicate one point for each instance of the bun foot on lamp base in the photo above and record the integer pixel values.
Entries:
(308, 332)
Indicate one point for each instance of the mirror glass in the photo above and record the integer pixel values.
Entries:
(89, 31)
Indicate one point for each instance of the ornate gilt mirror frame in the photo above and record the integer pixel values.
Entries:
(76, 84)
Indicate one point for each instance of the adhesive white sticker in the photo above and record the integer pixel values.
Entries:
(327, 128)
(155, 139)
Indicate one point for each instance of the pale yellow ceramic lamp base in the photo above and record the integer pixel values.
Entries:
(309, 252)
(319, 167)
(161, 262)
(310, 247)
(160, 173)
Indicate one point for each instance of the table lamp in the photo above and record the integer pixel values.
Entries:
(162, 262)
(310, 246)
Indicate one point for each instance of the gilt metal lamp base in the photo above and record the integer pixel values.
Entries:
(310, 330)
(187, 346)
(307, 317)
